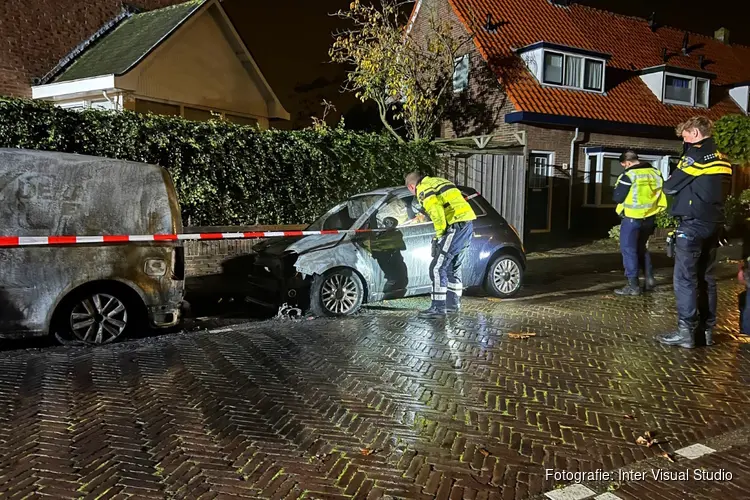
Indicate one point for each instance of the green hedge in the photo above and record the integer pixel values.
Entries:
(732, 134)
(226, 174)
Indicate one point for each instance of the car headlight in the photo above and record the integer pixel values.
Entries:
(155, 267)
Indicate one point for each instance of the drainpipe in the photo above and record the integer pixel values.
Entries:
(571, 169)
(106, 96)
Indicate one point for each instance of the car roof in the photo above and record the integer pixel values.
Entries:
(403, 191)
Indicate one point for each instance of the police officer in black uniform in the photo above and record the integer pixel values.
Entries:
(699, 186)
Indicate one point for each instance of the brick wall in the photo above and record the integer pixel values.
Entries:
(36, 34)
(204, 258)
(482, 109)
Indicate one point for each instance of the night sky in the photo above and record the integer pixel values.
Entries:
(289, 40)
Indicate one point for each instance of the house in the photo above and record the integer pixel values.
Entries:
(573, 87)
(184, 59)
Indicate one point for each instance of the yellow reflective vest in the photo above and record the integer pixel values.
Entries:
(444, 203)
(645, 197)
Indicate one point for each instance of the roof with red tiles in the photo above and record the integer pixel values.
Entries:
(632, 45)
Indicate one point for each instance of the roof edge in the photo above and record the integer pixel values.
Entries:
(533, 118)
(126, 12)
(676, 69)
(565, 48)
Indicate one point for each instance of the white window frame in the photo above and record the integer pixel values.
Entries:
(656, 161)
(581, 75)
(694, 90)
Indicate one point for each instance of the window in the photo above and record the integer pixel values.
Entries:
(573, 71)
(478, 210)
(553, 68)
(678, 89)
(592, 79)
(573, 66)
(461, 73)
(405, 210)
(591, 180)
(611, 170)
(601, 173)
(701, 98)
(540, 170)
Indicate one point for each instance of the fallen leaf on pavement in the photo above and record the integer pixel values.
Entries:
(493, 299)
(628, 417)
(522, 335)
(366, 451)
(668, 456)
(484, 452)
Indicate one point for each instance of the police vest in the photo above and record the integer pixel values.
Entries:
(645, 197)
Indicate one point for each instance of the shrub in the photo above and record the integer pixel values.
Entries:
(614, 233)
(226, 174)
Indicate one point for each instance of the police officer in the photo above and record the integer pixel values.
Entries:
(699, 185)
(452, 217)
(639, 195)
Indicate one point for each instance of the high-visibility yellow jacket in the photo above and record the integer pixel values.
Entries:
(639, 192)
(444, 203)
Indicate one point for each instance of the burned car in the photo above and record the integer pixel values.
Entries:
(387, 257)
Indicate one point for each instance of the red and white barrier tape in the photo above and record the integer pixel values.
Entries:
(24, 241)
(35, 241)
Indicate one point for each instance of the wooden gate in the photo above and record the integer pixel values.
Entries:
(499, 178)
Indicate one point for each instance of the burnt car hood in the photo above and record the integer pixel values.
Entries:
(277, 247)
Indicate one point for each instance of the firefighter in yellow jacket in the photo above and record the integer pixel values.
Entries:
(452, 217)
(640, 198)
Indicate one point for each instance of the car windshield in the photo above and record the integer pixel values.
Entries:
(344, 215)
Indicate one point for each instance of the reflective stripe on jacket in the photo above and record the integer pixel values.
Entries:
(443, 202)
(645, 197)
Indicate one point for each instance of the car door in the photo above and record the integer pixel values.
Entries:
(403, 253)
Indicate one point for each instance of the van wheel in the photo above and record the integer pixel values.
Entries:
(98, 316)
(504, 276)
(338, 292)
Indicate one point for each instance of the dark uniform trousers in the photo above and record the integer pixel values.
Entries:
(694, 280)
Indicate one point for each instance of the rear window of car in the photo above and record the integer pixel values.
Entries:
(478, 210)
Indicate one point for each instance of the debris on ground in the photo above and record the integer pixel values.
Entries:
(288, 312)
(524, 335)
(628, 417)
(368, 451)
(484, 452)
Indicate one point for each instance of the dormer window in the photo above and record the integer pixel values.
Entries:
(741, 95)
(679, 86)
(569, 67)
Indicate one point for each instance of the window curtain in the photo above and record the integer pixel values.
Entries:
(572, 71)
(594, 75)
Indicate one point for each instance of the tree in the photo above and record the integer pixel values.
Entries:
(732, 134)
(408, 75)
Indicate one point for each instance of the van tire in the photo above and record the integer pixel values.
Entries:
(346, 280)
(114, 311)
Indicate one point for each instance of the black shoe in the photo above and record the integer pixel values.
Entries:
(631, 289)
(453, 309)
(431, 313)
(650, 283)
(683, 337)
(709, 335)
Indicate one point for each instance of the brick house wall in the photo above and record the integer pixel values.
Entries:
(36, 34)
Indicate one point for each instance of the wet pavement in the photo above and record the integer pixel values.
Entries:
(386, 405)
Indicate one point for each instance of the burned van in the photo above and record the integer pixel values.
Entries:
(94, 292)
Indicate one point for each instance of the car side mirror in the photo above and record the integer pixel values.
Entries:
(390, 223)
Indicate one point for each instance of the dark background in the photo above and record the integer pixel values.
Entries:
(289, 40)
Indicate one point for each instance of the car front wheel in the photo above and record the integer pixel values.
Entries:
(338, 292)
(505, 276)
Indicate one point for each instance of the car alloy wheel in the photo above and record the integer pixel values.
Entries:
(506, 276)
(98, 319)
(339, 294)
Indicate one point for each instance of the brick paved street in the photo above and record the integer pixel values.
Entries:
(382, 404)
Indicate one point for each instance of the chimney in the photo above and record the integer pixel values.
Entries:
(722, 35)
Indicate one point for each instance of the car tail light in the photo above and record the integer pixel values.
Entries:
(155, 267)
